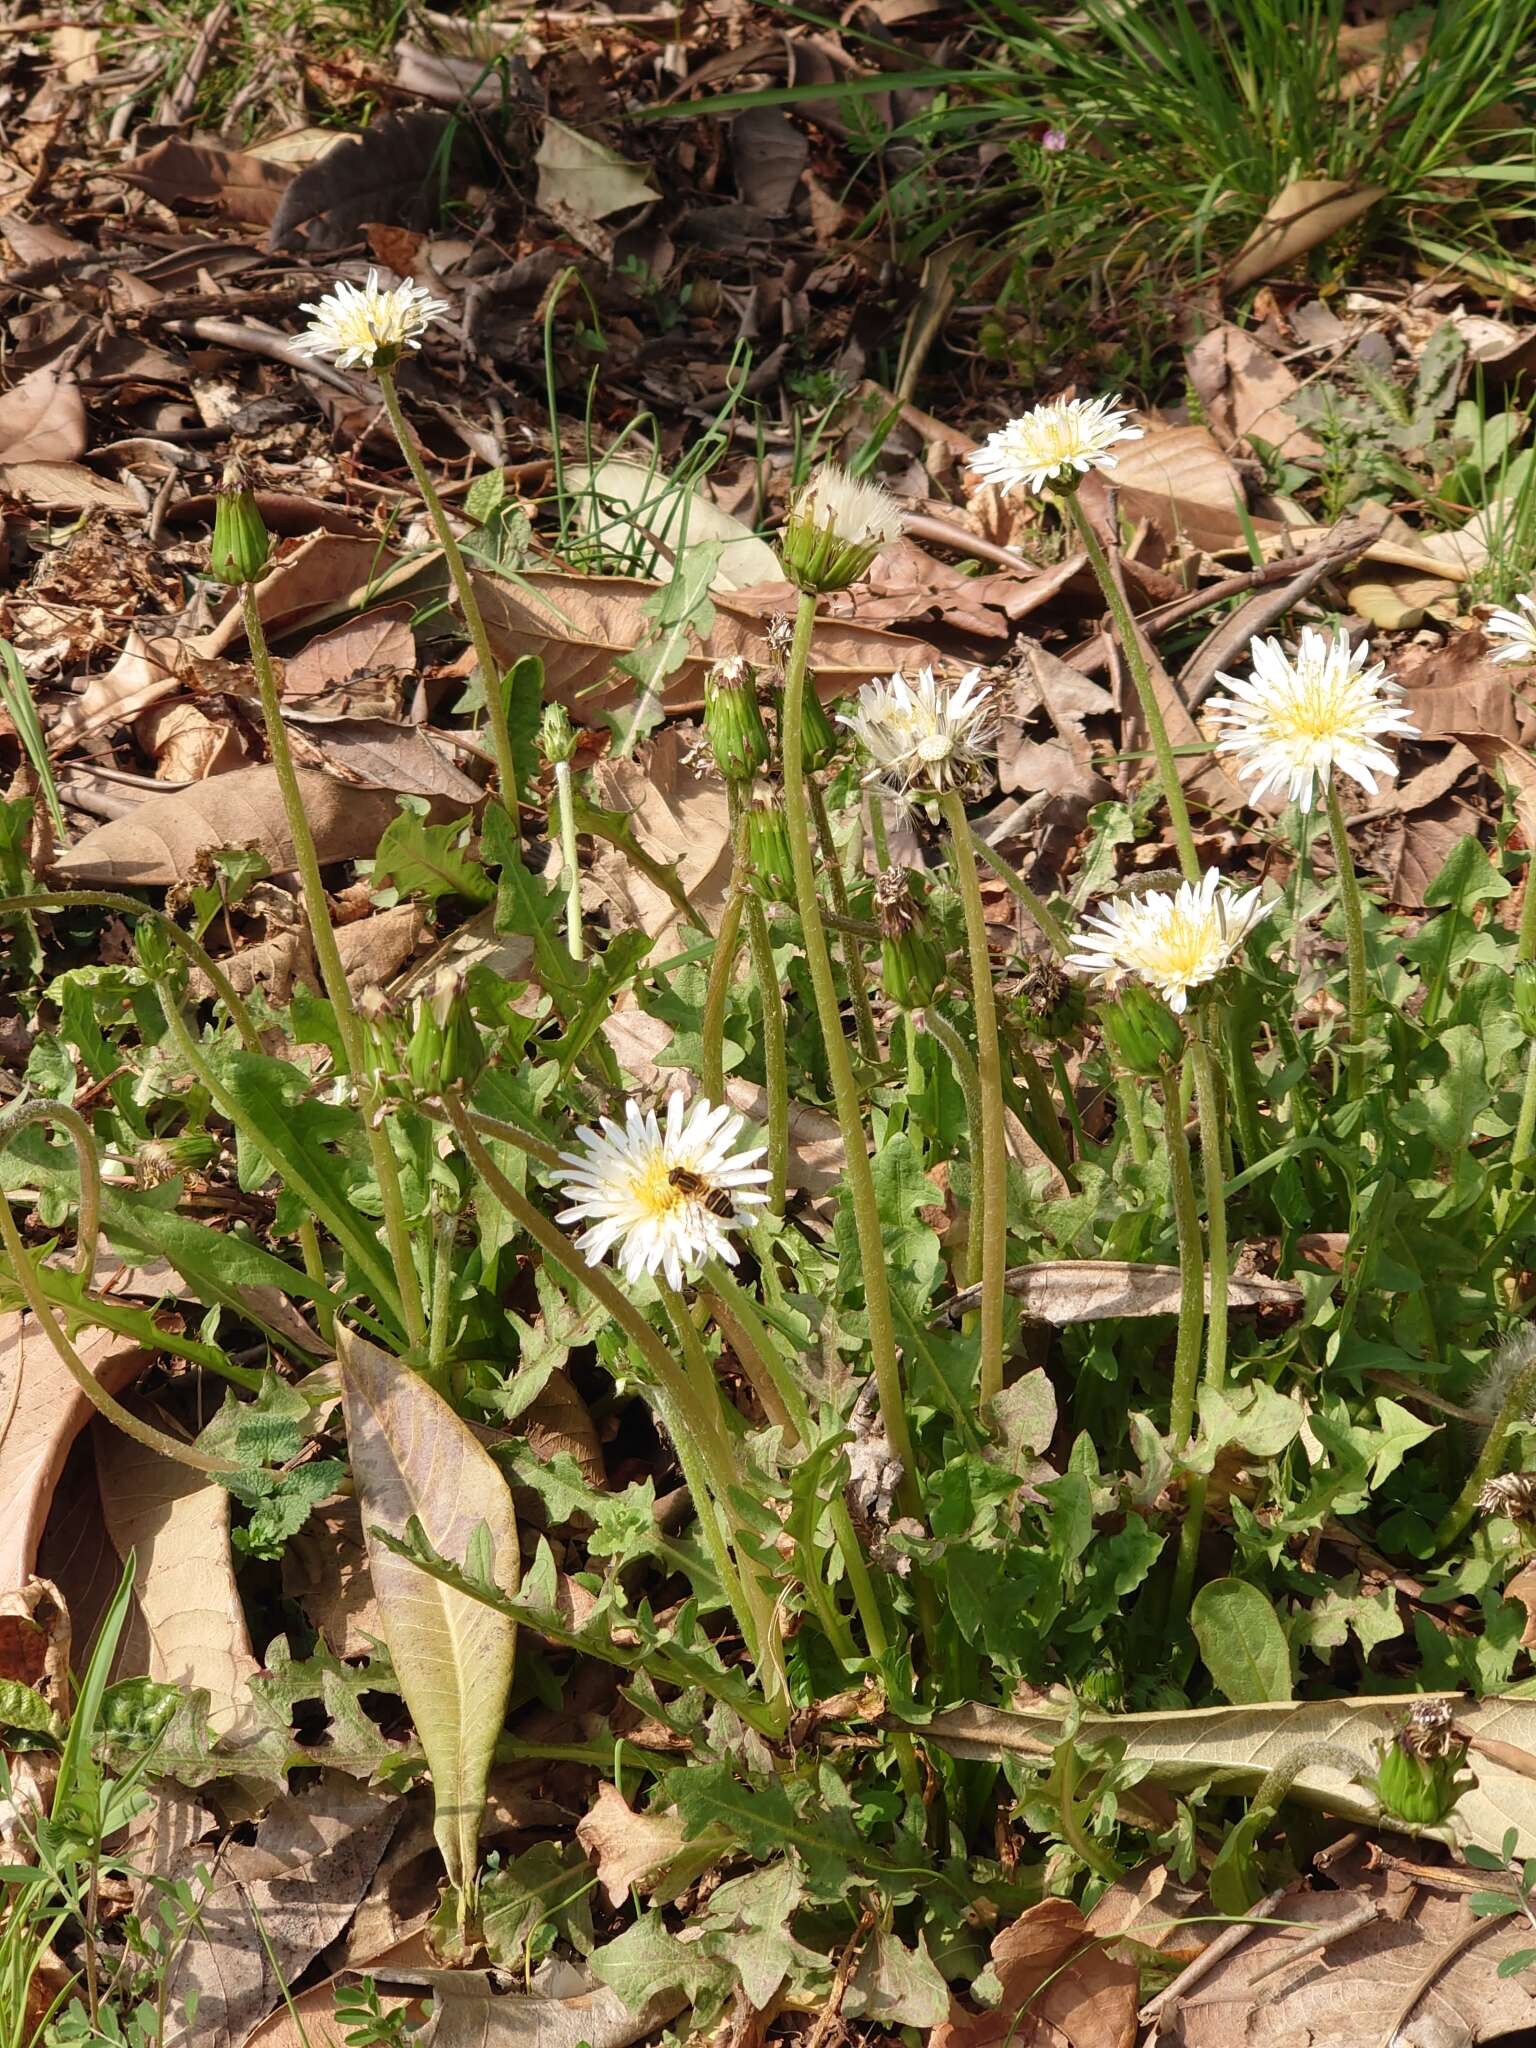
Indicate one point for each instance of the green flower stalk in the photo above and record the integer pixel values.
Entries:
(372, 328)
(557, 743)
(1352, 908)
(240, 519)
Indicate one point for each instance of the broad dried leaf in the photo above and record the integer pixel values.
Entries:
(1184, 1748)
(581, 177)
(325, 1574)
(161, 841)
(64, 487)
(176, 1523)
(43, 1412)
(385, 175)
(414, 1460)
(580, 626)
(145, 672)
(42, 419)
(1410, 1978)
(383, 754)
(1061, 1291)
(768, 155)
(632, 1850)
(1178, 479)
(274, 1906)
(1245, 390)
(379, 639)
(558, 1423)
(566, 2009)
(1511, 763)
(187, 745)
(1059, 1989)
(326, 576)
(178, 173)
(679, 815)
(1302, 216)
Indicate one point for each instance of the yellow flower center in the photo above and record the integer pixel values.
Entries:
(654, 1192)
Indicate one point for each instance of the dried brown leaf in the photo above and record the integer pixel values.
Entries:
(558, 1423)
(325, 1574)
(1302, 216)
(64, 487)
(678, 812)
(42, 1411)
(161, 840)
(176, 1523)
(1062, 1291)
(632, 1851)
(242, 187)
(1059, 1989)
(383, 754)
(1511, 763)
(42, 419)
(388, 174)
(1245, 390)
(187, 745)
(378, 639)
(1179, 480)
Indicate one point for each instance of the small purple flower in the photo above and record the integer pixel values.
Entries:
(1053, 141)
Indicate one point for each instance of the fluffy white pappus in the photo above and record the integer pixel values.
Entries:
(664, 1196)
(924, 737)
(1174, 941)
(368, 325)
(1298, 720)
(856, 511)
(1054, 444)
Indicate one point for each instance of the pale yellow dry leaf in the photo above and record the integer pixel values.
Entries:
(42, 418)
(1300, 217)
(414, 1459)
(1061, 1291)
(176, 1523)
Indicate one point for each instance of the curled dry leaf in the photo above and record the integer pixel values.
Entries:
(1300, 217)
(42, 1411)
(635, 1851)
(1060, 1989)
(414, 1460)
(162, 839)
(1061, 1291)
(187, 745)
(176, 1524)
(42, 419)
(391, 173)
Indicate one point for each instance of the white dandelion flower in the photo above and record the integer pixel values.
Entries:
(923, 735)
(1054, 445)
(837, 525)
(1174, 942)
(1516, 629)
(664, 1196)
(370, 324)
(1299, 720)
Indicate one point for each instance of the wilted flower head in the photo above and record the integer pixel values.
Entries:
(837, 525)
(1516, 629)
(371, 325)
(924, 736)
(1512, 1495)
(1053, 446)
(1174, 942)
(1296, 721)
(667, 1196)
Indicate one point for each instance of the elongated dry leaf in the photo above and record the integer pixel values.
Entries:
(412, 1458)
(1301, 217)
(176, 1523)
(161, 840)
(64, 487)
(42, 419)
(1061, 1291)
(42, 1411)
(240, 186)
(1182, 1748)
(580, 626)
(580, 176)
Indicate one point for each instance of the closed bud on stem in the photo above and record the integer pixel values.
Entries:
(734, 724)
(557, 735)
(444, 1049)
(912, 964)
(241, 547)
(1417, 1779)
(1142, 1032)
(768, 844)
(1525, 996)
(383, 1031)
(819, 736)
(157, 953)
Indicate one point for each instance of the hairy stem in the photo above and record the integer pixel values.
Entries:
(837, 889)
(1354, 939)
(944, 1033)
(993, 1175)
(1049, 927)
(1151, 710)
(1216, 1313)
(464, 590)
(1516, 1406)
(570, 869)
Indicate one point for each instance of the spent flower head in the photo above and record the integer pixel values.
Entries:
(1173, 941)
(837, 525)
(1516, 629)
(371, 325)
(1512, 1495)
(1299, 720)
(1053, 446)
(922, 736)
(664, 1194)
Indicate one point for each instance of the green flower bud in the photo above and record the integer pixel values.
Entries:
(557, 735)
(1101, 1689)
(1525, 996)
(768, 844)
(912, 964)
(737, 737)
(1142, 1032)
(156, 951)
(241, 546)
(1417, 1779)
(836, 526)
(444, 1049)
(1049, 1005)
(820, 737)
